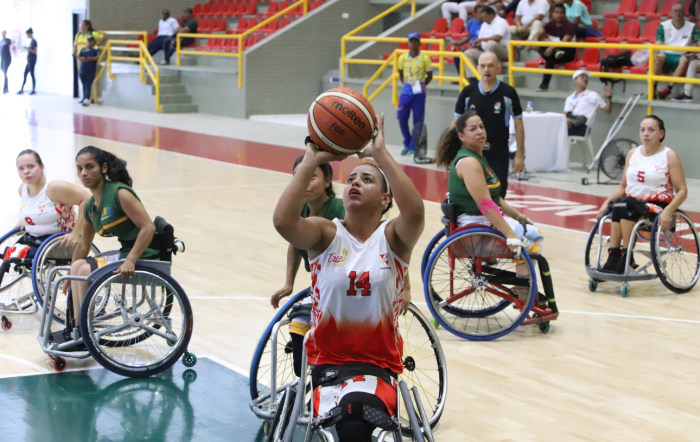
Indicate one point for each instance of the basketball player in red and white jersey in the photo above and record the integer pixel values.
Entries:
(653, 184)
(357, 271)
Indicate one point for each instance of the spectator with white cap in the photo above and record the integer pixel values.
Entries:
(580, 107)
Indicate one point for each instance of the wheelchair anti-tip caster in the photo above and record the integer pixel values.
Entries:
(593, 285)
(189, 359)
(59, 364)
(625, 290)
(6, 323)
(544, 327)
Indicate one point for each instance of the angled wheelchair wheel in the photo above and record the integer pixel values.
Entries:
(477, 289)
(49, 256)
(429, 251)
(675, 253)
(261, 367)
(16, 283)
(136, 327)
(598, 244)
(424, 365)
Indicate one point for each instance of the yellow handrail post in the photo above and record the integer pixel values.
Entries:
(413, 8)
(141, 66)
(240, 62)
(511, 77)
(109, 64)
(342, 61)
(306, 8)
(441, 45)
(177, 39)
(650, 84)
(395, 75)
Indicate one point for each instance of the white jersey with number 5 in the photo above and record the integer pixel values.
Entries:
(648, 177)
(356, 292)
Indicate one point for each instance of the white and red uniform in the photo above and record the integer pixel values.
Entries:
(356, 292)
(648, 177)
(41, 217)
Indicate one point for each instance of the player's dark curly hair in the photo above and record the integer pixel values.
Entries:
(32, 152)
(327, 174)
(659, 121)
(449, 143)
(116, 167)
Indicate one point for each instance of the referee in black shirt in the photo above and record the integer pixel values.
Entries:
(495, 102)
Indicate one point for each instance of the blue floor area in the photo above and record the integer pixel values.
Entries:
(208, 403)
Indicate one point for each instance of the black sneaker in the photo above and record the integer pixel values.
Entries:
(683, 98)
(543, 87)
(66, 335)
(619, 266)
(613, 257)
(20, 92)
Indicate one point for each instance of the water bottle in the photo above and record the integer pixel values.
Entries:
(529, 106)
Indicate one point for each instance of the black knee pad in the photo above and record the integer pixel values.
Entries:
(297, 352)
(628, 208)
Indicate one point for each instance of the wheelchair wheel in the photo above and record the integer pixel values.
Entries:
(675, 253)
(424, 365)
(597, 253)
(136, 327)
(260, 366)
(15, 283)
(48, 256)
(476, 288)
(429, 251)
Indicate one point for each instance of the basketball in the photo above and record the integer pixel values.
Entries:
(341, 121)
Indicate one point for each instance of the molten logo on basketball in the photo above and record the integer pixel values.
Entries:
(350, 113)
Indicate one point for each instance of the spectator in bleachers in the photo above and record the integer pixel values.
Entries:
(415, 72)
(494, 36)
(167, 26)
(580, 107)
(559, 29)
(459, 7)
(676, 31)
(473, 27)
(496, 103)
(577, 13)
(188, 25)
(530, 18)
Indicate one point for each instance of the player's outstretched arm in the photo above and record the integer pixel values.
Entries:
(312, 234)
(402, 232)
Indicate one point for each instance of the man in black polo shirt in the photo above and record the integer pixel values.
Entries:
(495, 102)
(188, 25)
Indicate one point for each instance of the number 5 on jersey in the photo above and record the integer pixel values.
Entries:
(362, 283)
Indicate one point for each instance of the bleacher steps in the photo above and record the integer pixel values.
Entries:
(180, 108)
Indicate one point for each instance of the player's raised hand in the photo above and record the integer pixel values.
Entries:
(378, 143)
(321, 156)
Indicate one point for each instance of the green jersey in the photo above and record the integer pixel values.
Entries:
(333, 209)
(109, 219)
(460, 196)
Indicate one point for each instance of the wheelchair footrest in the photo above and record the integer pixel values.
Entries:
(540, 319)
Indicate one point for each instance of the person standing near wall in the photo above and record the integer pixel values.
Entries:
(415, 72)
(88, 67)
(81, 38)
(5, 57)
(31, 62)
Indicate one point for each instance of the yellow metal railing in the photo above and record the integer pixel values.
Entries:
(649, 77)
(240, 37)
(143, 34)
(350, 36)
(394, 77)
(146, 64)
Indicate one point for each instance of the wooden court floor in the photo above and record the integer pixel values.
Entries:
(610, 369)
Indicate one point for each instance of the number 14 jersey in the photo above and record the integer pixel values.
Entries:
(356, 292)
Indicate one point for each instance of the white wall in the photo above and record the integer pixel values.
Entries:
(52, 21)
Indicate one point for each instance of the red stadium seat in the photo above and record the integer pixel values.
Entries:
(215, 10)
(649, 34)
(207, 46)
(535, 63)
(609, 30)
(439, 27)
(402, 45)
(664, 10)
(594, 24)
(317, 4)
(588, 56)
(205, 9)
(252, 8)
(285, 22)
(253, 22)
(240, 11)
(231, 45)
(647, 7)
(626, 6)
(284, 5)
(221, 25)
(587, 3)
(268, 28)
(629, 30)
(456, 27)
(203, 26)
(639, 69)
(271, 10)
(242, 26)
(197, 10)
(231, 9)
(596, 66)
(252, 39)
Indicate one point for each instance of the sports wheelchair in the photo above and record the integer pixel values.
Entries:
(477, 288)
(134, 327)
(273, 383)
(23, 280)
(672, 253)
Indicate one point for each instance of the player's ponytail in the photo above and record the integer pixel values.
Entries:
(449, 143)
(116, 167)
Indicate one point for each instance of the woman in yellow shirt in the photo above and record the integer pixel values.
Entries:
(81, 38)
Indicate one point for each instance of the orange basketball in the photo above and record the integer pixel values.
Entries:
(341, 121)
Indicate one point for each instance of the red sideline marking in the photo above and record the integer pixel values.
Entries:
(561, 208)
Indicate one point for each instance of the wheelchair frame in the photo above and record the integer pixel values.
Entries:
(632, 274)
(544, 308)
(59, 351)
(297, 413)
